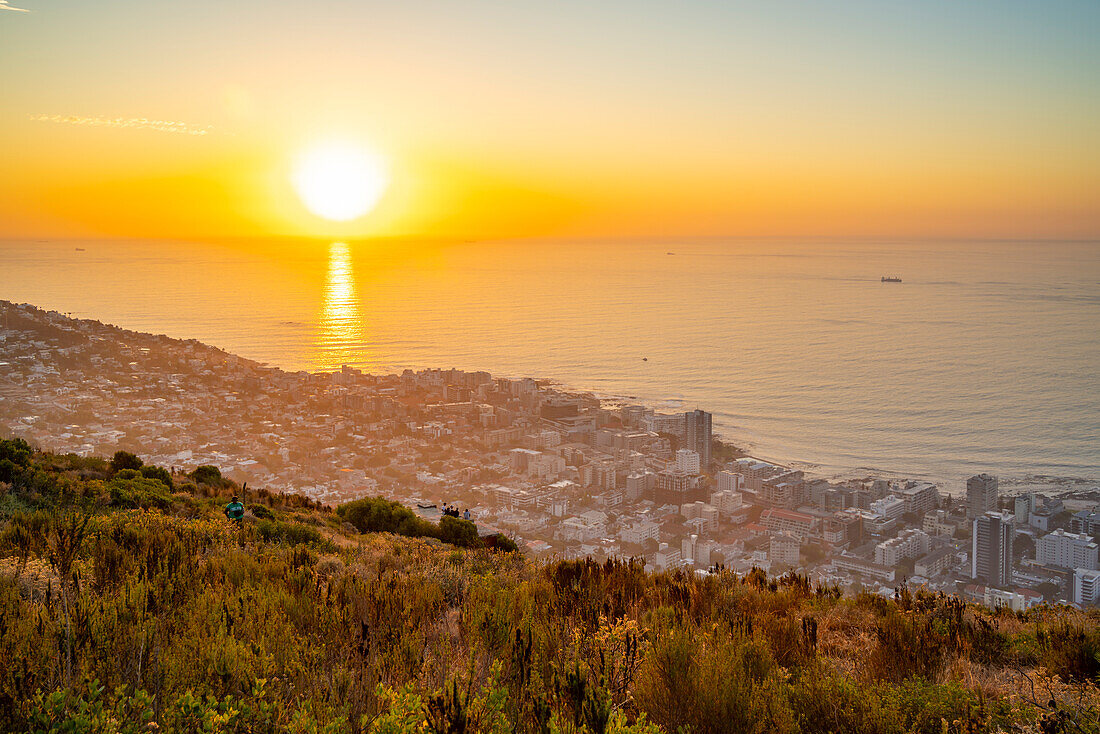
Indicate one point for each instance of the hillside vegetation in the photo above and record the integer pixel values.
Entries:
(128, 603)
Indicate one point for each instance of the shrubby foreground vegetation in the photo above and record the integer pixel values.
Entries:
(129, 604)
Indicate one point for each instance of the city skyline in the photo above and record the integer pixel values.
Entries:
(563, 473)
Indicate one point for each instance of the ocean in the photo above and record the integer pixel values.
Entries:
(985, 358)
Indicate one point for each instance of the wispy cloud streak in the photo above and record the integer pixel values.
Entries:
(140, 123)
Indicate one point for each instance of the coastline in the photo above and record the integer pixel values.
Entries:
(1059, 485)
(867, 380)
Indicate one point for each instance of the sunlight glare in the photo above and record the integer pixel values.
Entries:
(340, 181)
(340, 327)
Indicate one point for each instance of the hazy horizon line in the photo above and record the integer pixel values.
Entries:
(473, 239)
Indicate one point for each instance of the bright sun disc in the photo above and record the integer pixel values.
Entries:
(340, 181)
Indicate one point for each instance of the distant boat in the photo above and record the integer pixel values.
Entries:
(425, 507)
(80, 249)
(890, 280)
(645, 359)
(670, 253)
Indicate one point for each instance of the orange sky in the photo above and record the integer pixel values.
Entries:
(182, 120)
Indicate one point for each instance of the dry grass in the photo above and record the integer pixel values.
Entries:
(36, 580)
(846, 637)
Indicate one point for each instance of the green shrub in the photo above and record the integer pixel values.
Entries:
(711, 684)
(91, 711)
(291, 533)
(209, 475)
(1024, 649)
(909, 644)
(16, 450)
(125, 460)
(923, 706)
(501, 542)
(458, 532)
(262, 512)
(15, 456)
(825, 702)
(130, 492)
(159, 473)
(9, 470)
(1072, 651)
(379, 515)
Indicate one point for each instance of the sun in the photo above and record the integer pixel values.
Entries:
(340, 181)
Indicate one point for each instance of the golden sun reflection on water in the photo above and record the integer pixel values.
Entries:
(340, 326)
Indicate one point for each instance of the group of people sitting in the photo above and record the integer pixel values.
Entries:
(452, 511)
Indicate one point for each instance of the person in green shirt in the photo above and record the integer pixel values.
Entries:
(234, 510)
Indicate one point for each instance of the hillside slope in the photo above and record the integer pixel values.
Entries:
(128, 603)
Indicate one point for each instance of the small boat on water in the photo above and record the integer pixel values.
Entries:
(80, 249)
(425, 507)
(886, 279)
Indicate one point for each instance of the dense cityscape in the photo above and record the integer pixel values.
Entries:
(565, 474)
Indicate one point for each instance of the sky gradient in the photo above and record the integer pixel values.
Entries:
(129, 118)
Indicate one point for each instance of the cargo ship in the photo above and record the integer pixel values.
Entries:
(886, 279)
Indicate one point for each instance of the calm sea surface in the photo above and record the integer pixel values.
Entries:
(986, 357)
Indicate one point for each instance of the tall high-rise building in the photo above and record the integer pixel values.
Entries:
(991, 548)
(697, 435)
(982, 493)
